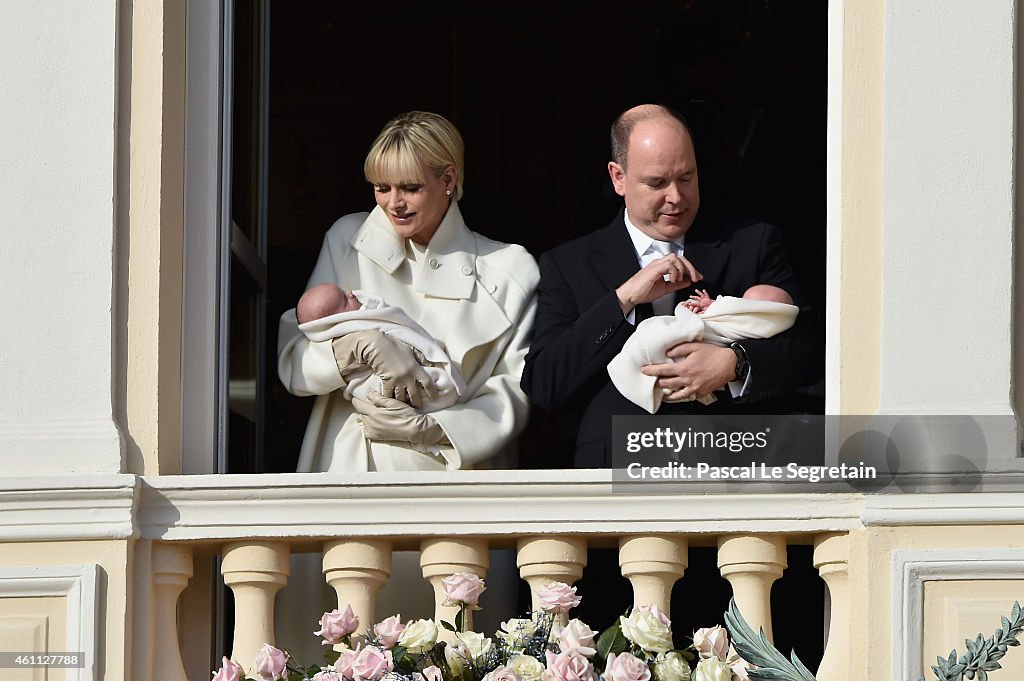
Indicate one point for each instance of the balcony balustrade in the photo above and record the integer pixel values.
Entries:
(549, 518)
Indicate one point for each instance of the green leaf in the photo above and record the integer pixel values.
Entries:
(611, 641)
(460, 619)
(448, 625)
(758, 651)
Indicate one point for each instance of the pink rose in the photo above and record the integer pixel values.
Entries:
(739, 670)
(563, 667)
(626, 667)
(557, 597)
(501, 674)
(463, 587)
(432, 673)
(326, 675)
(270, 663)
(576, 638)
(336, 625)
(344, 663)
(371, 664)
(388, 631)
(712, 642)
(229, 671)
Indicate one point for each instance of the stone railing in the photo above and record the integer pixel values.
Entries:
(549, 518)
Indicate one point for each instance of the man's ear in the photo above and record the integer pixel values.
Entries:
(618, 175)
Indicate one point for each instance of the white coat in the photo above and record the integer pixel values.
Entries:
(473, 295)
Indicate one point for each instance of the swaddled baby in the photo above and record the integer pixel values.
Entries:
(762, 312)
(326, 312)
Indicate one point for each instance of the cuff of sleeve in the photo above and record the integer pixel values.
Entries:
(443, 451)
(740, 388)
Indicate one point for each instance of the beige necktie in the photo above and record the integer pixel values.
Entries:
(667, 303)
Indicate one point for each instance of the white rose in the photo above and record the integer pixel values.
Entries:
(648, 628)
(419, 636)
(517, 632)
(671, 667)
(712, 669)
(472, 645)
(526, 668)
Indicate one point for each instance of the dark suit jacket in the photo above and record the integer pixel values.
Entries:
(580, 327)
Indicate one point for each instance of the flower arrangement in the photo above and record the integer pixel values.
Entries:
(638, 647)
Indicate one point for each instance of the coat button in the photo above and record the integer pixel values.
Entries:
(434, 264)
(467, 270)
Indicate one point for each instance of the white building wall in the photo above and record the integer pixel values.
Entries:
(57, 145)
(947, 234)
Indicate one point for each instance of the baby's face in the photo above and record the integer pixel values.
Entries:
(349, 303)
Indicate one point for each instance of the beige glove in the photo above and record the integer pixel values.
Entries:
(393, 361)
(388, 419)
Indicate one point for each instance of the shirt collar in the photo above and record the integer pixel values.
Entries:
(641, 242)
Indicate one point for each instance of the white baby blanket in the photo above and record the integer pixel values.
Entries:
(392, 320)
(727, 319)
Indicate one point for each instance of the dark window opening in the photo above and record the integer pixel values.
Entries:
(533, 87)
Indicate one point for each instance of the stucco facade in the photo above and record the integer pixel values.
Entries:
(99, 527)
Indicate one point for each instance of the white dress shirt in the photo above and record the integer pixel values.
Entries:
(648, 250)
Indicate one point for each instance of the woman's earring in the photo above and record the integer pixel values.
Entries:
(448, 192)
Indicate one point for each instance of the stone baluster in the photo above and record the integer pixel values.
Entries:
(356, 569)
(254, 571)
(752, 563)
(832, 558)
(542, 560)
(652, 564)
(440, 558)
(172, 568)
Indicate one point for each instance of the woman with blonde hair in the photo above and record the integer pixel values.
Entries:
(475, 296)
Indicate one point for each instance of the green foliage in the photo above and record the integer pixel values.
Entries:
(404, 663)
(982, 654)
(757, 650)
(610, 641)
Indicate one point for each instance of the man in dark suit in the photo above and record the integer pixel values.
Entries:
(595, 289)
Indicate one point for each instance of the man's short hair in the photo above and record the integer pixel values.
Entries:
(623, 126)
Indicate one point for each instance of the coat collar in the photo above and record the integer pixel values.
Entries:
(449, 268)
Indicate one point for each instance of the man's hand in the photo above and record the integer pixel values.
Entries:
(386, 419)
(402, 376)
(698, 369)
(658, 278)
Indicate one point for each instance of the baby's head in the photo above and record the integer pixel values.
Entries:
(766, 292)
(324, 300)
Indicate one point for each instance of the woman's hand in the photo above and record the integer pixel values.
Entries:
(384, 418)
(393, 361)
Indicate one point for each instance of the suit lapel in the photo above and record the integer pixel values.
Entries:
(613, 256)
(705, 250)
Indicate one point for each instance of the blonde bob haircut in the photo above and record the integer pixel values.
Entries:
(407, 143)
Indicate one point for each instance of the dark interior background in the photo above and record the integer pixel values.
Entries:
(533, 87)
